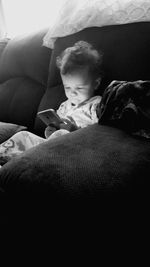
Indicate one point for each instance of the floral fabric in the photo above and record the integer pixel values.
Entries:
(77, 15)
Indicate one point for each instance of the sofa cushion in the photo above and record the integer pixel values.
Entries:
(125, 48)
(9, 129)
(77, 165)
(19, 101)
(25, 56)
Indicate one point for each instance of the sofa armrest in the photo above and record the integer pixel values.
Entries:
(19, 101)
(25, 56)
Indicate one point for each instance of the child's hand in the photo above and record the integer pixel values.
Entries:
(49, 130)
(69, 125)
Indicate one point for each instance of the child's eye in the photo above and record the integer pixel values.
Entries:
(80, 88)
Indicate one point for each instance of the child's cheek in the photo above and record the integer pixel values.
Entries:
(83, 96)
(68, 94)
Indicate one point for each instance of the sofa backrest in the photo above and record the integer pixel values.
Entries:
(126, 50)
(126, 56)
(24, 66)
(25, 56)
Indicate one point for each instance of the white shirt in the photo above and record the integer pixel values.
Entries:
(83, 114)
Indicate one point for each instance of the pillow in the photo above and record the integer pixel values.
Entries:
(9, 129)
(77, 15)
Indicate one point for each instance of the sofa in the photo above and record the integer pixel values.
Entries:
(93, 163)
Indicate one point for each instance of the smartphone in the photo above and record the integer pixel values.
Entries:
(49, 116)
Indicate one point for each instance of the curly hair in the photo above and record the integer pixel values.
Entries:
(81, 55)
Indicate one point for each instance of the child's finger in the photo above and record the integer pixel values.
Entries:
(65, 121)
(63, 125)
(54, 125)
(71, 120)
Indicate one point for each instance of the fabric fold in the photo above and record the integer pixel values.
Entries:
(126, 105)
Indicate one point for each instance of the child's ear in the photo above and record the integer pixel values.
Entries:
(98, 81)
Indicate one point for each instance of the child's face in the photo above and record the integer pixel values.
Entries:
(79, 86)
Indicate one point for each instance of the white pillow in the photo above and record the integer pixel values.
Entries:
(76, 15)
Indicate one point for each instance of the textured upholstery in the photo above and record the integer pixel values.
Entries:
(82, 164)
(25, 56)
(19, 100)
(23, 78)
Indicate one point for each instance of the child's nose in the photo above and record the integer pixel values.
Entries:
(73, 92)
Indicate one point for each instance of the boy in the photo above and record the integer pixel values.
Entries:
(80, 70)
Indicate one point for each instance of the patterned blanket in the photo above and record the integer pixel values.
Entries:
(126, 105)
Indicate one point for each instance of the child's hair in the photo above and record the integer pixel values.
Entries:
(81, 55)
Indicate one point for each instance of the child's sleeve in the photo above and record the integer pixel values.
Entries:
(61, 111)
(93, 109)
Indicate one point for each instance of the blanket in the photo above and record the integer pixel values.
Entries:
(126, 105)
